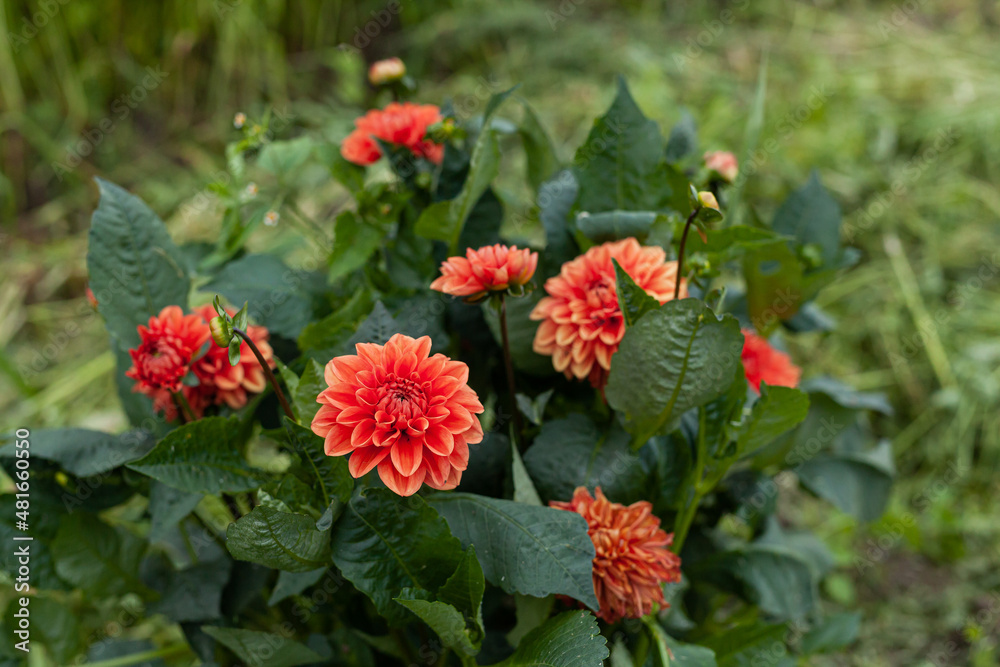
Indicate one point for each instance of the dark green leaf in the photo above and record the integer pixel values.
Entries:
(51, 623)
(633, 300)
(293, 583)
(279, 540)
(858, 484)
(446, 621)
(330, 473)
(779, 581)
(385, 543)
(192, 594)
(683, 139)
(844, 395)
(524, 488)
(309, 386)
(673, 359)
(571, 639)
(538, 148)
(521, 332)
(832, 633)
(94, 556)
(777, 411)
(167, 507)
(616, 225)
(572, 452)
(200, 457)
(620, 165)
(555, 201)
(811, 215)
(524, 548)
(465, 587)
(85, 453)
(272, 289)
(777, 284)
(353, 243)
(737, 646)
(263, 649)
(135, 269)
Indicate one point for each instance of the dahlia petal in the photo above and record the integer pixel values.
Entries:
(362, 434)
(364, 459)
(407, 455)
(338, 441)
(439, 440)
(398, 483)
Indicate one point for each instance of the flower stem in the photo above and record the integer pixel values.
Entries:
(686, 517)
(267, 371)
(680, 250)
(509, 365)
(183, 407)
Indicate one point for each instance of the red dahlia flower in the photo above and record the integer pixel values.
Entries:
(166, 350)
(492, 268)
(396, 407)
(229, 384)
(401, 124)
(582, 324)
(632, 558)
(761, 362)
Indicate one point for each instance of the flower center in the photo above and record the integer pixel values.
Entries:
(402, 397)
(602, 297)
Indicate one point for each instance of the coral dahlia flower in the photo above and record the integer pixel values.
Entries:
(761, 362)
(397, 408)
(582, 324)
(632, 560)
(228, 384)
(492, 268)
(168, 346)
(401, 124)
(723, 163)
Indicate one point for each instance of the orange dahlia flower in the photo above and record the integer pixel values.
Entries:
(723, 163)
(632, 560)
(229, 384)
(492, 268)
(761, 362)
(401, 124)
(395, 407)
(582, 324)
(167, 348)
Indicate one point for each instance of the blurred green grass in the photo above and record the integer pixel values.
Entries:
(894, 103)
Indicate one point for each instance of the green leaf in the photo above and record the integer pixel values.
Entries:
(534, 409)
(384, 543)
(777, 284)
(524, 488)
(728, 243)
(572, 452)
(135, 269)
(241, 317)
(843, 395)
(620, 165)
(465, 588)
(167, 508)
(330, 473)
(777, 580)
(521, 332)
(328, 337)
(634, 301)
(530, 612)
(97, 558)
(86, 453)
(524, 548)
(52, 624)
(446, 621)
(777, 411)
(735, 647)
(201, 457)
(234, 350)
(674, 653)
(856, 483)
(309, 386)
(673, 359)
(279, 540)
(683, 140)
(444, 220)
(811, 215)
(353, 243)
(378, 328)
(571, 639)
(282, 158)
(833, 633)
(616, 225)
(192, 594)
(293, 583)
(263, 649)
(555, 201)
(539, 151)
(271, 286)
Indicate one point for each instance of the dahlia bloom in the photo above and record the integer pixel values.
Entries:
(395, 407)
(582, 324)
(224, 383)
(761, 362)
(723, 163)
(386, 71)
(166, 351)
(632, 560)
(401, 124)
(492, 268)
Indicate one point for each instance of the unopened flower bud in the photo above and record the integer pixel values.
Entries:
(707, 200)
(386, 71)
(222, 332)
(723, 163)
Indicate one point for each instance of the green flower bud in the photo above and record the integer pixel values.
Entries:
(222, 331)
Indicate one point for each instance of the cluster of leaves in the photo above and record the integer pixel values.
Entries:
(262, 550)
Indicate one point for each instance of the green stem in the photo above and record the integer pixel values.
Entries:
(680, 250)
(267, 371)
(509, 365)
(686, 517)
(145, 656)
(657, 634)
(183, 407)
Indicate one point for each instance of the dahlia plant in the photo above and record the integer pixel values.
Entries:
(441, 426)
